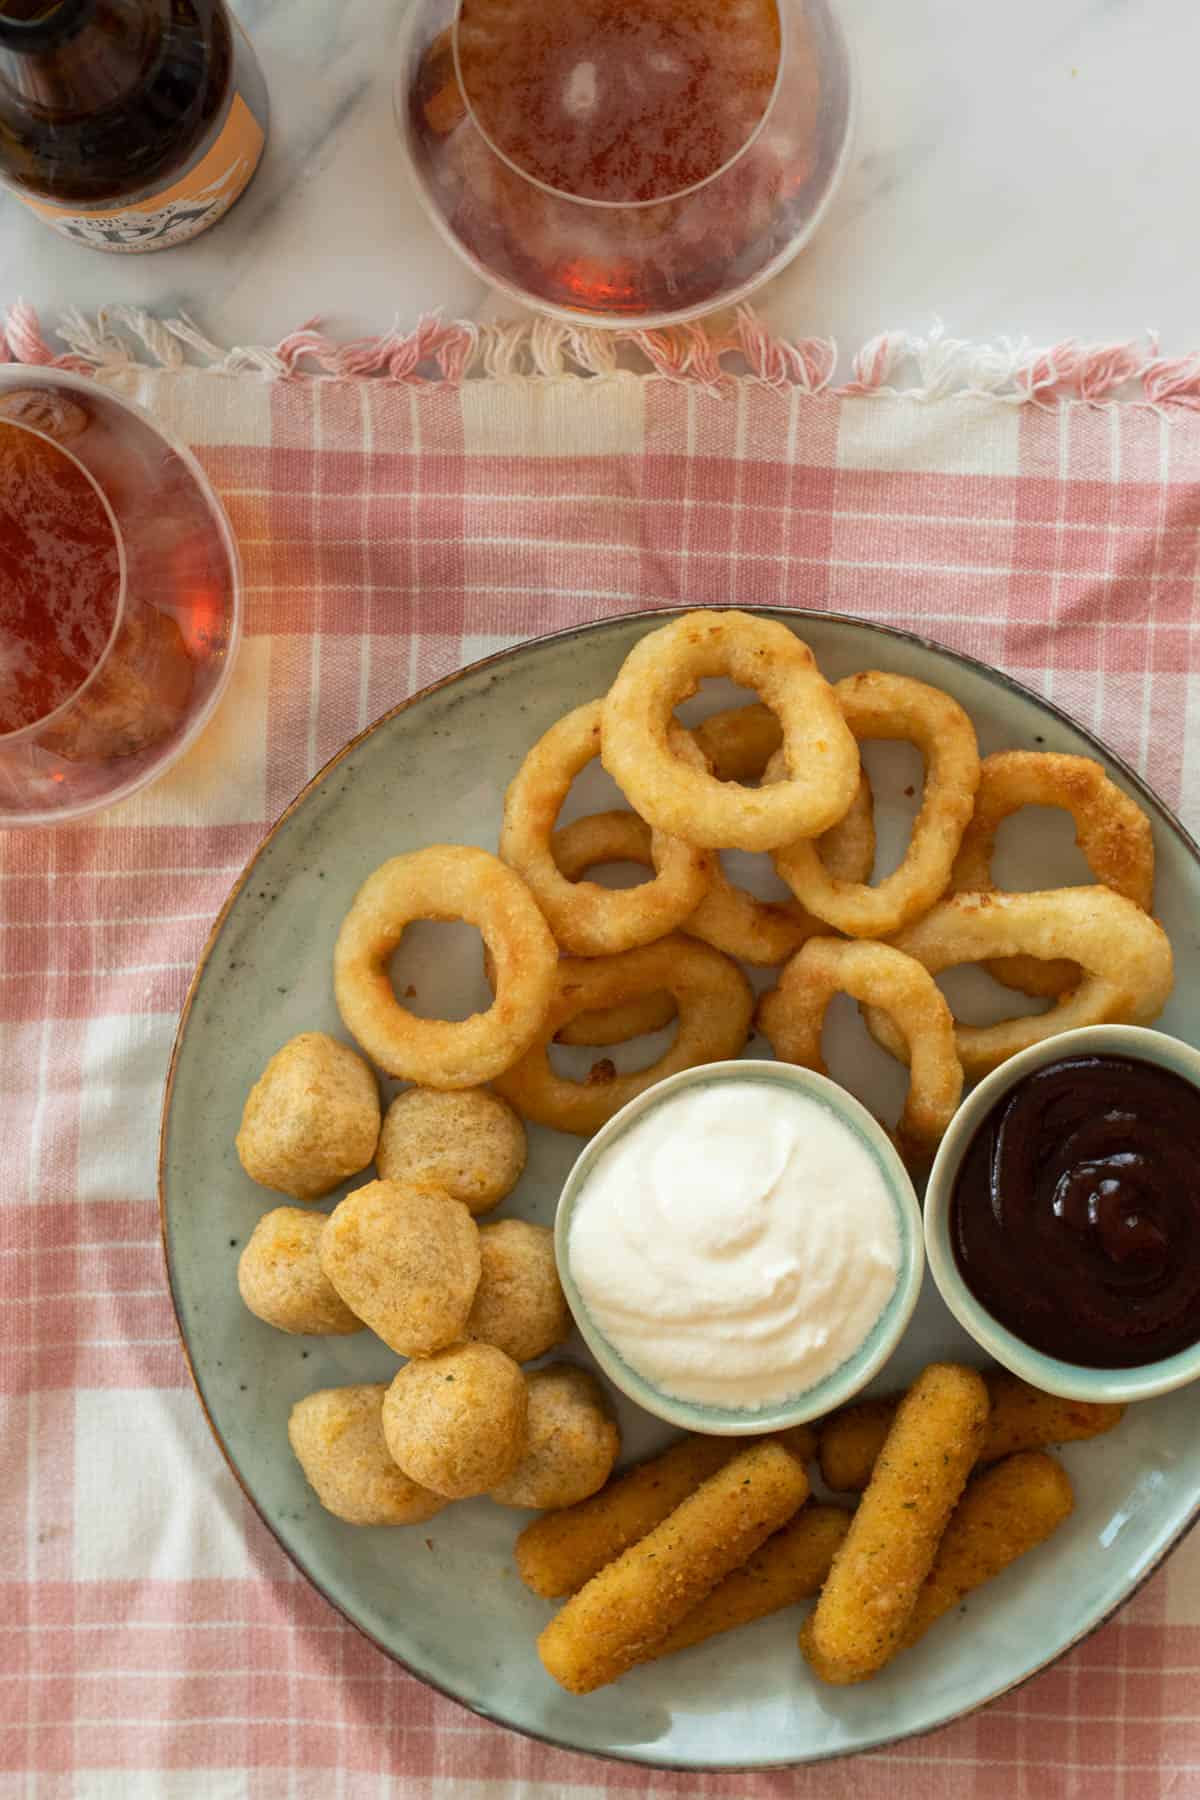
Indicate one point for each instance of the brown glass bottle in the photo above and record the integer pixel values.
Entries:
(130, 125)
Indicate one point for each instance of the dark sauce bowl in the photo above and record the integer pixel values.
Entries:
(1053, 1374)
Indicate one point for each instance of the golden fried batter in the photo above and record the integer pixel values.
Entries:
(519, 1304)
(457, 1422)
(557, 1554)
(790, 1566)
(281, 1279)
(406, 1260)
(311, 1119)
(866, 1604)
(573, 1441)
(613, 1622)
(337, 1435)
(1004, 1512)
(1022, 1418)
(469, 1142)
(851, 1439)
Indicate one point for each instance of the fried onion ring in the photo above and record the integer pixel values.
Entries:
(879, 705)
(715, 1005)
(761, 932)
(587, 919)
(589, 843)
(740, 742)
(445, 881)
(663, 669)
(764, 932)
(744, 744)
(767, 932)
(1125, 957)
(848, 848)
(792, 1015)
(1111, 829)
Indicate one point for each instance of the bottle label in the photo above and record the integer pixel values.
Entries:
(172, 215)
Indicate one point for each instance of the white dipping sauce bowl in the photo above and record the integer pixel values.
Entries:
(853, 1374)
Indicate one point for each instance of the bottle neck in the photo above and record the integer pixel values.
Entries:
(28, 27)
(80, 56)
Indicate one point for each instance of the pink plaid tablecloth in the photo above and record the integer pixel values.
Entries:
(156, 1639)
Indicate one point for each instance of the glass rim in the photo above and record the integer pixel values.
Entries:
(676, 194)
(149, 770)
(39, 725)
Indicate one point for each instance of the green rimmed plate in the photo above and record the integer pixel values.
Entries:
(434, 771)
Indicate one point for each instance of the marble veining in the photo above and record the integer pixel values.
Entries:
(1018, 170)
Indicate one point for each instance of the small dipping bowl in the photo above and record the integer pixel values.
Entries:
(871, 1355)
(1071, 1381)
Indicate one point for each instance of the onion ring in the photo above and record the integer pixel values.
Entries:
(761, 932)
(1125, 956)
(587, 919)
(766, 932)
(879, 705)
(744, 744)
(664, 668)
(1111, 829)
(589, 843)
(728, 918)
(847, 849)
(715, 1006)
(445, 881)
(792, 1015)
(740, 742)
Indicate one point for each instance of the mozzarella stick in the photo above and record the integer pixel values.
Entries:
(889, 1549)
(850, 1440)
(610, 1624)
(837, 1674)
(790, 1567)
(1022, 1418)
(801, 1440)
(1005, 1511)
(560, 1551)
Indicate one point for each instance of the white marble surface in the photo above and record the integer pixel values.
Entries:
(1026, 167)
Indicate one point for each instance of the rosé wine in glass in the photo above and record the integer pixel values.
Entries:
(630, 161)
(119, 598)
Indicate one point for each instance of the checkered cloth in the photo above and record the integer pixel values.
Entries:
(157, 1641)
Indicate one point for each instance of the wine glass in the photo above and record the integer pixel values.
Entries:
(625, 161)
(120, 597)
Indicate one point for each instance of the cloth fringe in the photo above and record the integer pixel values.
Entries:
(121, 338)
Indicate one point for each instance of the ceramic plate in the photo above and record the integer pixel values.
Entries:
(444, 1598)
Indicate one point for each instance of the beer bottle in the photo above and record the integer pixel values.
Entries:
(129, 125)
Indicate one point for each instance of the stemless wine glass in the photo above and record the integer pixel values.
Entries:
(120, 597)
(625, 161)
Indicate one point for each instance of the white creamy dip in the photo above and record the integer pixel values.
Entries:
(736, 1244)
